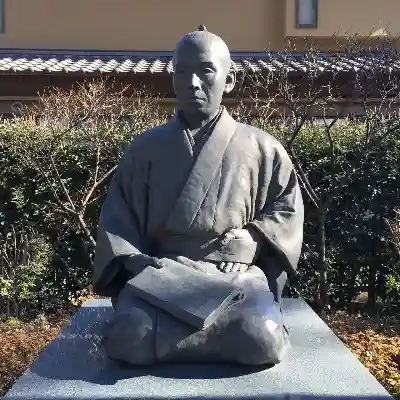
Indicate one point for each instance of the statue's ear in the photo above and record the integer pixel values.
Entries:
(230, 81)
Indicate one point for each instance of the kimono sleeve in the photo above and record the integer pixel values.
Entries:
(121, 228)
(281, 216)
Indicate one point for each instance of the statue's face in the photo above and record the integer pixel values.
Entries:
(201, 76)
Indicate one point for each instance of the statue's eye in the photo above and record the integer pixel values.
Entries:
(209, 71)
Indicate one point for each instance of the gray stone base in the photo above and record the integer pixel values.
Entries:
(319, 366)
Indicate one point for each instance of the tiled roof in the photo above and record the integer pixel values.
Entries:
(68, 61)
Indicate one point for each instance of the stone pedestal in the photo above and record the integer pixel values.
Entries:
(319, 366)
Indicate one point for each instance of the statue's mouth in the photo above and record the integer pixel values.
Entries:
(195, 99)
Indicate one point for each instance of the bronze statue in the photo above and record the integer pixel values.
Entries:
(201, 225)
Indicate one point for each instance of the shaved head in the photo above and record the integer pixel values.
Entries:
(202, 39)
(202, 73)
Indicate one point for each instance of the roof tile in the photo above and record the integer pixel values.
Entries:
(37, 61)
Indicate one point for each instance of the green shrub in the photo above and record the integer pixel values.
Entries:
(366, 190)
(25, 261)
(56, 163)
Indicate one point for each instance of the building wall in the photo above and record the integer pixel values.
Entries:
(348, 17)
(250, 25)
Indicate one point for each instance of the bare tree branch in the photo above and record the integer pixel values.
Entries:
(96, 185)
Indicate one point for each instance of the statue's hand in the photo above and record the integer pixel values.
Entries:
(242, 234)
(246, 235)
(232, 267)
(136, 263)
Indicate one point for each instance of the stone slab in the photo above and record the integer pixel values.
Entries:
(319, 366)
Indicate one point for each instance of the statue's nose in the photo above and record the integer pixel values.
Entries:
(195, 82)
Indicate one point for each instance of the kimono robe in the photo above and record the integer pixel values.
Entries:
(165, 202)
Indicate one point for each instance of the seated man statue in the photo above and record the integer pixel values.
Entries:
(203, 193)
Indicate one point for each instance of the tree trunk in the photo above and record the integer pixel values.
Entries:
(322, 263)
(371, 303)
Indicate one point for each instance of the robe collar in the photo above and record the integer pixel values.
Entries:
(204, 169)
